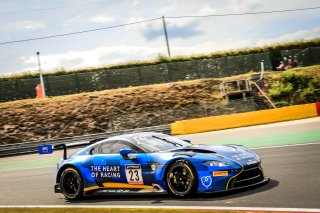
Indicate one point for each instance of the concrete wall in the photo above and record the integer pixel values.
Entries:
(245, 119)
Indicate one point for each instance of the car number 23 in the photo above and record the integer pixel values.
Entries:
(134, 174)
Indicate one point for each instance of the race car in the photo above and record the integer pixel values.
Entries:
(156, 163)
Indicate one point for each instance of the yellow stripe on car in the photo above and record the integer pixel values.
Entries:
(112, 185)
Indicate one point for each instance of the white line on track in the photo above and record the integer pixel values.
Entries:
(287, 145)
(170, 207)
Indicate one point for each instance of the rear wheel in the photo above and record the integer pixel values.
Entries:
(181, 179)
(71, 184)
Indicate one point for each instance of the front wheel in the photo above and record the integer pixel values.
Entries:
(181, 179)
(71, 184)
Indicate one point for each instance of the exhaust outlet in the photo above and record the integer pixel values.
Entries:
(157, 188)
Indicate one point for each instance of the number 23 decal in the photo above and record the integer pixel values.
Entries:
(134, 174)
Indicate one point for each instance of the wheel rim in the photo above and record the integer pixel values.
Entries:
(71, 183)
(180, 179)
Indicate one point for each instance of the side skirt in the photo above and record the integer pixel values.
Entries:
(103, 191)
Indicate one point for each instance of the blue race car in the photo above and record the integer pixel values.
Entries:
(155, 162)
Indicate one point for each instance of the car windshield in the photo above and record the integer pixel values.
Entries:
(159, 142)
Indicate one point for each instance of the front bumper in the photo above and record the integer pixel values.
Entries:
(264, 181)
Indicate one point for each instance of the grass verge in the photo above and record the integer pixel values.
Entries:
(116, 210)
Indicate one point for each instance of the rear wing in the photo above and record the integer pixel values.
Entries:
(45, 149)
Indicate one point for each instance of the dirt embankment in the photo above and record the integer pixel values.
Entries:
(128, 108)
(87, 113)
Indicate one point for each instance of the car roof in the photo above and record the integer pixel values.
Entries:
(131, 137)
(126, 137)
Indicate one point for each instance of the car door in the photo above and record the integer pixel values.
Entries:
(113, 171)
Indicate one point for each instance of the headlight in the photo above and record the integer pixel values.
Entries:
(216, 163)
(153, 166)
(257, 156)
(251, 152)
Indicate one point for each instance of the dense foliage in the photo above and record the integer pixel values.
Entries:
(296, 86)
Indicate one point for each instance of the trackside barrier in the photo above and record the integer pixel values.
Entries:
(183, 127)
(32, 147)
(318, 108)
(245, 119)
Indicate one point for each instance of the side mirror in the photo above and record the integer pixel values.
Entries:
(125, 153)
(186, 140)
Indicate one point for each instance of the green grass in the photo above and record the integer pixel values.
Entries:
(113, 210)
(27, 164)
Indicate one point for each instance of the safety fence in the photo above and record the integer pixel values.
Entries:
(303, 57)
(102, 79)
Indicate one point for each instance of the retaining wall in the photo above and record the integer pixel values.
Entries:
(245, 119)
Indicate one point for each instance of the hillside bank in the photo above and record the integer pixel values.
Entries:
(133, 107)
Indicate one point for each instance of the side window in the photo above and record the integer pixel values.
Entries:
(107, 147)
(125, 144)
(118, 146)
(95, 150)
(114, 147)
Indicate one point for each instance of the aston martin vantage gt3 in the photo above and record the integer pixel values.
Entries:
(154, 162)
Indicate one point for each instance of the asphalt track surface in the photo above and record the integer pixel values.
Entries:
(294, 171)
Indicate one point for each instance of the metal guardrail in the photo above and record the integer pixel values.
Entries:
(32, 147)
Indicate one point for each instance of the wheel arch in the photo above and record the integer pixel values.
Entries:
(63, 168)
(165, 171)
(167, 166)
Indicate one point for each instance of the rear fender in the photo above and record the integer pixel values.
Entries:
(62, 168)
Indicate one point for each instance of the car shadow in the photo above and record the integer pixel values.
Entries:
(161, 198)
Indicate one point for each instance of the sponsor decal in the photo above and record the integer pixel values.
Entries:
(134, 174)
(45, 149)
(113, 191)
(241, 156)
(206, 181)
(227, 148)
(105, 171)
(251, 162)
(220, 173)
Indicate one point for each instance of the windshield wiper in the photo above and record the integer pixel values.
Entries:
(165, 140)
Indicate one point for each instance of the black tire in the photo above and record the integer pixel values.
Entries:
(181, 179)
(71, 184)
